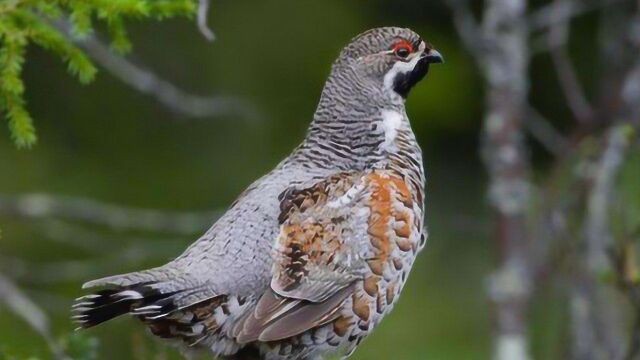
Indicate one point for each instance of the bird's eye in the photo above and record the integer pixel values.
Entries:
(403, 52)
(403, 49)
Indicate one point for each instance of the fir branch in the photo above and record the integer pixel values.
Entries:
(119, 39)
(80, 18)
(12, 88)
(42, 34)
(28, 21)
(163, 9)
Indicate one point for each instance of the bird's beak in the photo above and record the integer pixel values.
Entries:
(432, 56)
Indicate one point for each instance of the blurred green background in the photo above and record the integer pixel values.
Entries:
(108, 142)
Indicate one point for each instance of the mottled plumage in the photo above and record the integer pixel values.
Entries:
(310, 257)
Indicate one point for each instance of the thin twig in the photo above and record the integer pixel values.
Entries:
(147, 82)
(571, 87)
(563, 11)
(20, 304)
(542, 130)
(43, 206)
(203, 14)
(631, 93)
(467, 26)
(599, 237)
(168, 94)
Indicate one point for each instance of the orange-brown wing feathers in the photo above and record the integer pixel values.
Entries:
(313, 249)
(337, 238)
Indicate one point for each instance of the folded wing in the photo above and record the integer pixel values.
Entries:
(332, 235)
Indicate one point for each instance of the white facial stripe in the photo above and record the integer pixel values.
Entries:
(402, 67)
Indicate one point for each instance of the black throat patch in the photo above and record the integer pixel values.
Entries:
(404, 82)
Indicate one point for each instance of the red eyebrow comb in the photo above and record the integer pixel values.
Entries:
(403, 44)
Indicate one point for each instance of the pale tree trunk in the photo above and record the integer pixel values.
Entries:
(505, 70)
(500, 46)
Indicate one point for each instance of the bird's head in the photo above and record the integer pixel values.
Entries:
(394, 59)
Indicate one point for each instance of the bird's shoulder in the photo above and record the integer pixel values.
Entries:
(341, 227)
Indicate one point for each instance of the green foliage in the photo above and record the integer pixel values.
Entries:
(6, 354)
(80, 347)
(39, 22)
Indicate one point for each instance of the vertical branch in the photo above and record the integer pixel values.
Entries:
(505, 68)
(598, 323)
(597, 231)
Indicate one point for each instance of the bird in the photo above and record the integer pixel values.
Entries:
(310, 257)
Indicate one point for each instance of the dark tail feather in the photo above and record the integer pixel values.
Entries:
(191, 323)
(104, 305)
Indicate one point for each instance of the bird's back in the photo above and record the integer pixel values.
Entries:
(238, 247)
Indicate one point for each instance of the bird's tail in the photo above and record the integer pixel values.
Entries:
(146, 294)
(192, 314)
(103, 305)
